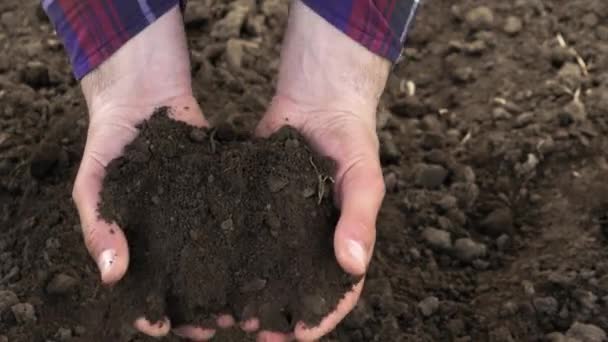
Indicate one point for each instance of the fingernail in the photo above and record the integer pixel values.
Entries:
(106, 261)
(357, 253)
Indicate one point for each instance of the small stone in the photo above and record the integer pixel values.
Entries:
(508, 308)
(276, 184)
(448, 202)
(36, 75)
(430, 176)
(198, 135)
(513, 25)
(524, 119)
(468, 250)
(227, 225)
(436, 238)
(480, 18)
(308, 192)
(9, 20)
(255, 285)
(62, 284)
(3, 338)
(529, 289)
(463, 74)
(570, 75)
(7, 299)
(79, 330)
(316, 304)
(503, 241)
(498, 222)
(557, 337)
(63, 334)
(546, 305)
(499, 113)
(429, 306)
(587, 333)
(24, 313)
(590, 19)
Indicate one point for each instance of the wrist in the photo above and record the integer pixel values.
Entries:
(150, 68)
(324, 69)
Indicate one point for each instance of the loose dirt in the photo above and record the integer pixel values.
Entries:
(219, 222)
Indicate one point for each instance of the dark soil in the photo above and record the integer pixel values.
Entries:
(494, 227)
(223, 223)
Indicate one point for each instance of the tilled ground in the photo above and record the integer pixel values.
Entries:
(493, 131)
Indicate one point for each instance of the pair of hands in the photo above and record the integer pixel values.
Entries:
(328, 89)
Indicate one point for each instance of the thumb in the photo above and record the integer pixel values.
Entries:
(105, 241)
(361, 191)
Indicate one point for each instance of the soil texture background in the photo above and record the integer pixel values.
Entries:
(493, 136)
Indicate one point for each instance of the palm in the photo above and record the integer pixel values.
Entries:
(351, 141)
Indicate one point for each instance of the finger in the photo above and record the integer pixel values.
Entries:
(251, 325)
(269, 336)
(304, 333)
(194, 333)
(105, 241)
(361, 191)
(157, 329)
(225, 321)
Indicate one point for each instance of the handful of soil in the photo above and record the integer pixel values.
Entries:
(221, 223)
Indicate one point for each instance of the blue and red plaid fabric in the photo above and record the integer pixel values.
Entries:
(92, 30)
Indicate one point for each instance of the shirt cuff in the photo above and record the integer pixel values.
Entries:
(381, 26)
(94, 30)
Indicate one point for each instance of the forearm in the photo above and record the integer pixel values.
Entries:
(322, 66)
(93, 30)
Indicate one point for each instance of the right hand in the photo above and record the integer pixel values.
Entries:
(151, 70)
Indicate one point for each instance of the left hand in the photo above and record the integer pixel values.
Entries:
(328, 90)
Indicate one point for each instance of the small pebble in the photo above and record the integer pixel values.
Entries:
(3, 338)
(508, 308)
(480, 18)
(468, 250)
(276, 184)
(308, 192)
(62, 284)
(503, 242)
(528, 287)
(316, 304)
(391, 182)
(429, 306)
(64, 334)
(513, 25)
(7, 299)
(498, 222)
(546, 305)
(587, 333)
(24, 313)
(438, 239)
(227, 225)
(430, 176)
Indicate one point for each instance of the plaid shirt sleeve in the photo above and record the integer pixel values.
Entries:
(379, 25)
(92, 30)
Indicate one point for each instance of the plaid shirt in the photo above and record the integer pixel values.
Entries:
(92, 30)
